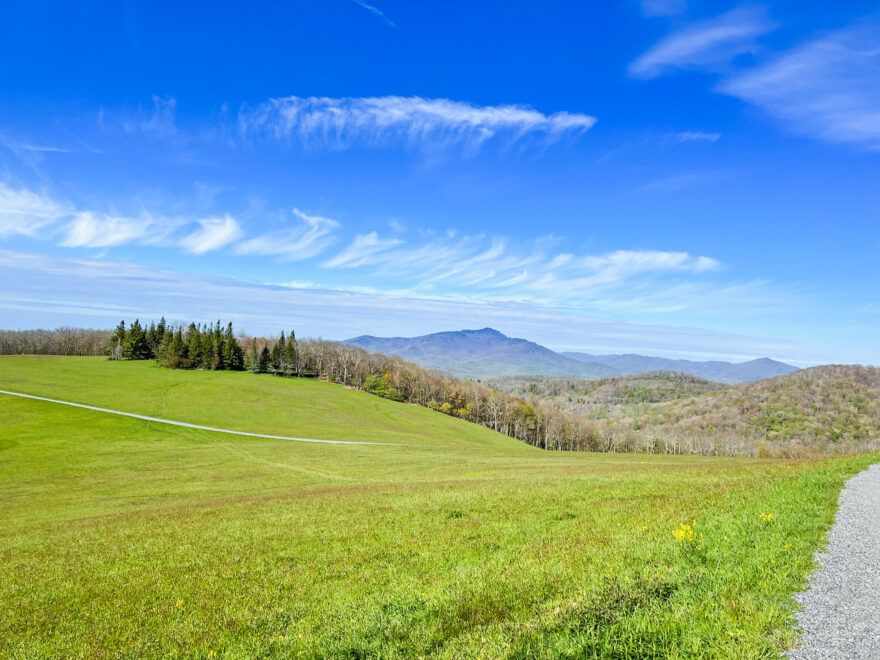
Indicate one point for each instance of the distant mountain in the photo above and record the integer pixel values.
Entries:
(480, 354)
(722, 372)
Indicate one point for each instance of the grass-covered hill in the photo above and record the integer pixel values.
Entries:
(126, 538)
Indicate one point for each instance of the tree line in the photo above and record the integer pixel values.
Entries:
(199, 346)
(61, 341)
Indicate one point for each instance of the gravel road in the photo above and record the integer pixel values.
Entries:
(159, 420)
(841, 607)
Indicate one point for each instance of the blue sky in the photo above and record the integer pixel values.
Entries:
(666, 177)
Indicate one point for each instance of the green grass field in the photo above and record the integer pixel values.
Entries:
(125, 538)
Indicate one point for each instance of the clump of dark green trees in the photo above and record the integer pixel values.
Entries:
(198, 347)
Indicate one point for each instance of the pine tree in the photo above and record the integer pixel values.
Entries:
(177, 352)
(153, 339)
(194, 346)
(253, 360)
(207, 335)
(278, 354)
(265, 361)
(136, 346)
(290, 356)
(232, 355)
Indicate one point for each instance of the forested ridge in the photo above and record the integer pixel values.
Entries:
(816, 411)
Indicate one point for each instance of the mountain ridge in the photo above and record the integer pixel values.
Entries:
(717, 370)
(487, 353)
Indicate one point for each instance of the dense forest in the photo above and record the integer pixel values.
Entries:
(815, 411)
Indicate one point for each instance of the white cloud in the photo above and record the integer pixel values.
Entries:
(160, 122)
(25, 213)
(311, 237)
(696, 136)
(341, 123)
(364, 249)
(704, 43)
(88, 229)
(213, 234)
(826, 88)
(378, 13)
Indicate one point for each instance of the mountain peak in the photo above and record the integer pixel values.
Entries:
(486, 332)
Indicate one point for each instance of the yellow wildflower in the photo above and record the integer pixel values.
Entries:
(767, 518)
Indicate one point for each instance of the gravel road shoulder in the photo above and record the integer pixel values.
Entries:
(841, 607)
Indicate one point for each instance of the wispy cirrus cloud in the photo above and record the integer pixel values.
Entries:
(706, 43)
(364, 249)
(161, 121)
(309, 238)
(100, 230)
(412, 122)
(378, 13)
(27, 213)
(212, 234)
(826, 88)
(696, 136)
(487, 268)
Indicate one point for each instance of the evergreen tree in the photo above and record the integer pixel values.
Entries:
(232, 355)
(136, 346)
(164, 350)
(265, 361)
(178, 356)
(290, 356)
(153, 339)
(207, 336)
(194, 351)
(277, 355)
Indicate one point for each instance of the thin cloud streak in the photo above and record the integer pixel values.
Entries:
(378, 13)
(411, 122)
(26, 213)
(311, 237)
(94, 230)
(213, 234)
(705, 43)
(826, 88)
(696, 136)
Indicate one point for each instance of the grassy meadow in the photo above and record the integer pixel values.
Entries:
(122, 538)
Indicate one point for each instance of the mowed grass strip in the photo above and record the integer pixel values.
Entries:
(122, 538)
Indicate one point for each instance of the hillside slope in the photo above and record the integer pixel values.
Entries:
(240, 401)
(828, 409)
(607, 398)
(479, 354)
(121, 537)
